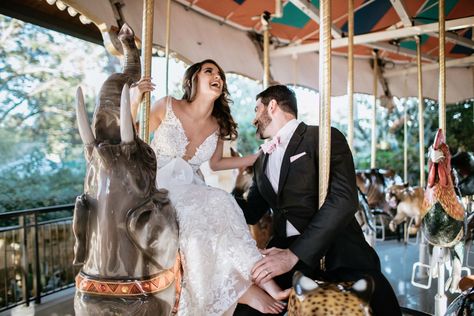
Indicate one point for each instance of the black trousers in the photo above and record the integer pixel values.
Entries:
(383, 301)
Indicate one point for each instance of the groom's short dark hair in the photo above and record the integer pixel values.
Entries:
(284, 96)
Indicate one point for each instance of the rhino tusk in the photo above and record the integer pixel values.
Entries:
(82, 122)
(126, 127)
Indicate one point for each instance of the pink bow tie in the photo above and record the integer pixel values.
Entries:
(270, 146)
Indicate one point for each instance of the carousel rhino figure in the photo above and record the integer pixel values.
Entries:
(126, 233)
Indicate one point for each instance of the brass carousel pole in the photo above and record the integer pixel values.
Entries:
(423, 249)
(405, 142)
(441, 301)
(147, 37)
(442, 69)
(324, 98)
(167, 45)
(265, 19)
(350, 79)
(421, 122)
(373, 149)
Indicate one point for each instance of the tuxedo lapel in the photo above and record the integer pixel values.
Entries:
(290, 150)
(267, 189)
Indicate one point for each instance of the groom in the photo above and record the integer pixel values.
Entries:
(325, 243)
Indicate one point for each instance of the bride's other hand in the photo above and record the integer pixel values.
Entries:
(249, 161)
(254, 157)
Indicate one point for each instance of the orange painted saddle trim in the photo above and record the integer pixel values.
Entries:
(158, 283)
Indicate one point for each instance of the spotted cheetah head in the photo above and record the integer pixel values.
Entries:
(315, 298)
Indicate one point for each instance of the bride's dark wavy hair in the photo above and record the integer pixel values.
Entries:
(221, 110)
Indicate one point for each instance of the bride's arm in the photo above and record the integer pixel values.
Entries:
(218, 162)
(158, 109)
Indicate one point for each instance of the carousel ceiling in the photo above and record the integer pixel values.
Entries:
(229, 31)
(297, 27)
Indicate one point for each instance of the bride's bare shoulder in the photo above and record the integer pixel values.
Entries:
(158, 110)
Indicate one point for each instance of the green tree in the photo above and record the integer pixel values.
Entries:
(243, 91)
(390, 133)
(42, 159)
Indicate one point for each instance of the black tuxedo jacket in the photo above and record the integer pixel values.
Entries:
(330, 236)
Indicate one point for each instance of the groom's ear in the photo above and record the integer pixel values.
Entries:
(272, 105)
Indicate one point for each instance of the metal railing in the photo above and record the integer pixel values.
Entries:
(36, 254)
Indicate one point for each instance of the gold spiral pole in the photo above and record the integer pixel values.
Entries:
(423, 257)
(350, 79)
(421, 121)
(405, 141)
(265, 19)
(440, 298)
(147, 37)
(324, 98)
(442, 68)
(373, 148)
(167, 45)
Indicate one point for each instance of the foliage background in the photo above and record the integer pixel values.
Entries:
(41, 155)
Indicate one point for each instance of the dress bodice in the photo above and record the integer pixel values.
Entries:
(170, 141)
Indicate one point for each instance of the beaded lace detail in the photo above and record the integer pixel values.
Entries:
(170, 141)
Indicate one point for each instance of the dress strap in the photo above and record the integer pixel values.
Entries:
(169, 107)
(169, 115)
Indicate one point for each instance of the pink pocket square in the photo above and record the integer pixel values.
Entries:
(293, 158)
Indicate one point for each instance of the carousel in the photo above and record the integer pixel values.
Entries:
(386, 49)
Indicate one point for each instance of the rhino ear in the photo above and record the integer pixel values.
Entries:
(137, 223)
(82, 122)
(126, 126)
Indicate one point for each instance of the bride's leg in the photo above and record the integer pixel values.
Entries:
(256, 298)
(275, 291)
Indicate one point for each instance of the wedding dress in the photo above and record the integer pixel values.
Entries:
(218, 251)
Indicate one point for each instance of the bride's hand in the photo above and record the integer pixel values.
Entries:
(144, 85)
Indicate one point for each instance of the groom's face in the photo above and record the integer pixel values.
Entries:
(262, 119)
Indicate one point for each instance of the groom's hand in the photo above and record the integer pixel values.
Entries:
(275, 262)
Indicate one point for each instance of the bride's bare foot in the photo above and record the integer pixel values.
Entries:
(282, 295)
(275, 291)
(256, 298)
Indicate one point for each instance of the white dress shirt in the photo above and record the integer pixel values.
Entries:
(274, 164)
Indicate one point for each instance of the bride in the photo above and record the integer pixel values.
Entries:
(217, 250)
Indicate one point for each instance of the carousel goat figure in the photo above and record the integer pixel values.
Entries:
(373, 184)
(316, 298)
(407, 201)
(125, 229)
(366, 219)
(443, 214)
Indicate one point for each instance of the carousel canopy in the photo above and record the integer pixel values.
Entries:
(230, 31)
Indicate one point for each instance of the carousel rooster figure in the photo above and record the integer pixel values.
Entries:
(442, 211)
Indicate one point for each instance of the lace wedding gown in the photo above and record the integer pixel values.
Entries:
(218, 251)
